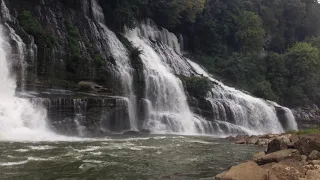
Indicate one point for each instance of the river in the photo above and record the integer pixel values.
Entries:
(152, 157)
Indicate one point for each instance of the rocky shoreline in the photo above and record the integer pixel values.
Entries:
(287, 157)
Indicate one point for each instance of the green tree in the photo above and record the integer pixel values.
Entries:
(250, 33)
(303, 64)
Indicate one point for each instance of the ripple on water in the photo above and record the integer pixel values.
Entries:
(13, 163)
(45, 147)
(22, 150)
(88, 149)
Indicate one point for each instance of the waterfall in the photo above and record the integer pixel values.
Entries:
(120, 53)
(19, 55)
(165, 98)
(233, 111)
(80, 107)
(241, 109)
(19, 119)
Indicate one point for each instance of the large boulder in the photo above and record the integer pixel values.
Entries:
(246, 171)
(278, 156)
(306, 145)
(276, 145)
(288, 169)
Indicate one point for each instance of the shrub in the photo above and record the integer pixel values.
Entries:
(197, 86)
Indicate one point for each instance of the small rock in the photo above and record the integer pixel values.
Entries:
(276, 145)
(253, 140)
(262, 142)
(315, 162)
(312, 175)
(314, 155)
(304, 159)
(244, 171)
(279, 156)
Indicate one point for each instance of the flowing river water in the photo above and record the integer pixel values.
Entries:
(152, 157)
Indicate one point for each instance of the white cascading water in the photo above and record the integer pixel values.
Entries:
(19, 119)
(19, 56)
(234, 111)
(244, 110)
(120, 53)
(165, 98)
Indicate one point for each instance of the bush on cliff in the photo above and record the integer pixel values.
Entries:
(197, 86)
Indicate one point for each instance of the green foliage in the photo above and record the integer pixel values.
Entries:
(197, 86)
(306, 131)
(250, 34)
(73, 40)
(32, 26)
(303, 63)
(98, 60)
(263, 89)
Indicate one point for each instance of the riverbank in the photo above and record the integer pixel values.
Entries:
(293, 156)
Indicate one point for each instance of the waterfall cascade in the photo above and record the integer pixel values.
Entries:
(164, 106)
(233, 111)
(120, 53)
(19, 119)
(167, 103)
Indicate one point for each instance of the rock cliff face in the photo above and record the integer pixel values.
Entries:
(64, 42)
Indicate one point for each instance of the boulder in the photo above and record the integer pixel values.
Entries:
(91, 86)
(314, 155)
(241, 139)
(278, 156)
(245, 171)
(262, 142)
(285, 138)
(276, 145)
(287, 170)
(305, 146)
(86, 85)
(253, 140)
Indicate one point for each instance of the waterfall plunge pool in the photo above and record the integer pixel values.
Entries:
(152, 157)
